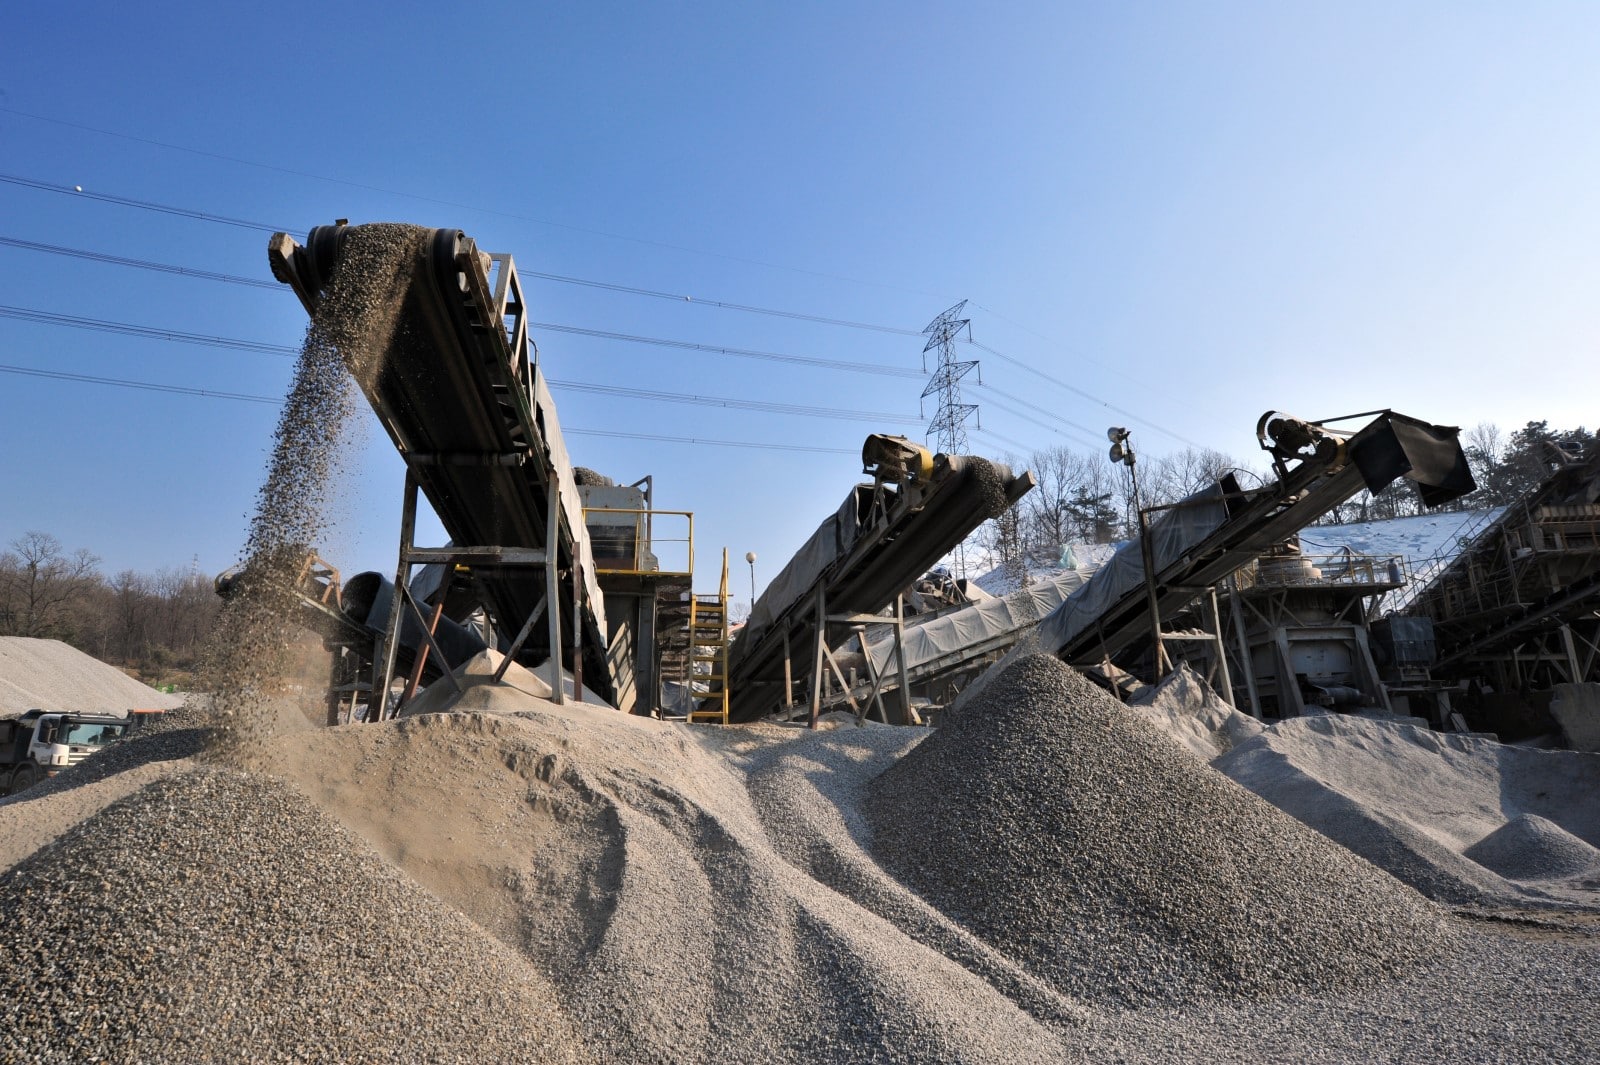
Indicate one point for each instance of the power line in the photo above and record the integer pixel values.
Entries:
(127, 329)
(263, 227)
(743, 353)
(677, 297)
(152, 386)
(148, 386)
(143, 205)
(141, 264)
(443, 203)
(1035, 407)
(150, 332)
(714, 443)
(738, 404)
(1075, 390)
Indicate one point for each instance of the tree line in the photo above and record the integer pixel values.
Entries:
(152, 624)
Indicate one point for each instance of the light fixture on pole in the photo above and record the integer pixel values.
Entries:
(750, 557)
(1122, 451)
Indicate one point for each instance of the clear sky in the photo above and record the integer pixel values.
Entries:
(1190, 213)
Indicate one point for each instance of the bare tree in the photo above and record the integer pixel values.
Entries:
(42, 585)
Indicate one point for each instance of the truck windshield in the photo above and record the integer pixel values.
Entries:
(87, 734)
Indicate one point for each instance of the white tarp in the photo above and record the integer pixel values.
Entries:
(1172, 534)
(571, 501)
(979, 627)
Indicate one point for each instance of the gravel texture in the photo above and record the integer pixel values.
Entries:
(527, 882)
(1416, 802)
(1074, 837)
(1529, 847)
(218, 917)
(345, 344)
(51, 675)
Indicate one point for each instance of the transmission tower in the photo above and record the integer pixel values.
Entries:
(948, 428)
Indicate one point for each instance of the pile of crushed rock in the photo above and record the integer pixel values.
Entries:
(1071, 835)
(527, 882)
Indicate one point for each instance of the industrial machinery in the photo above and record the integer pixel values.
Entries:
(454, 379)
(887, 533)
(1115, 620)
(1513, 615)
(41, 743)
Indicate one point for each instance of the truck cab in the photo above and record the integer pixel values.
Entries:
(41, 743)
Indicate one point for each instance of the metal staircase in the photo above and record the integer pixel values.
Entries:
(708, 652)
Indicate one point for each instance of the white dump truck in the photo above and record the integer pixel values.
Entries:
(41, 743)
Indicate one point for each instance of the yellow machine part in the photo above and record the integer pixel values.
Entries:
(884, 454)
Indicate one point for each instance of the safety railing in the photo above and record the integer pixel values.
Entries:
(641, 542)
(1342, 568)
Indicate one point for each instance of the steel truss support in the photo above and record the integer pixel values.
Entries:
(406, 605)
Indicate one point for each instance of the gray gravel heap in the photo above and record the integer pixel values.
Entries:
(215, 916)
(1530, 847)
(1075, 837)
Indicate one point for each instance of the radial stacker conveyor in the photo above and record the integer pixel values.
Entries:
(1200, 541)
(886, 534)
(458, 389)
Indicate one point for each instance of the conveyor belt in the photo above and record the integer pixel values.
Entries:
(472, 418)
(1215, 532)
(881, 540)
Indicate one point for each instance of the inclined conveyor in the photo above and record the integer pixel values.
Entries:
(458, 390)
(1200, 541)
(883, 537)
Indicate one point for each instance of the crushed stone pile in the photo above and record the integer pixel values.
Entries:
(1186, 708)
(51, 675)
(217, 917)
(1426, 805)
(1077, 839)
(592, 869)
(1529, 847)
(345, 345)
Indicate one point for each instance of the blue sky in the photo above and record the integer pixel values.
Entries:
(1192, 213)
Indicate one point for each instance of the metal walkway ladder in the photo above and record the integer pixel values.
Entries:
(708, 652)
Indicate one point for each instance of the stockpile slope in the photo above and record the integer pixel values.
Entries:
(626, 860)
(51, 675)
(1438, 811)
(215, 916)
(1077, 839)
(472, 885)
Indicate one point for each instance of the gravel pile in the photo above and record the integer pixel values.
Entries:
(1078, 840)
(1529, 847)
(51, 675)
(1414, 802)
(213, 916)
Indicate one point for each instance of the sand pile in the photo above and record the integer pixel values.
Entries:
(1419, 803)
(1075, 838)
(614, 855)
(1528, 847)
(1184, 707)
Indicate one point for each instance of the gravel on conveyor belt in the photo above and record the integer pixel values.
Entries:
(215, 916)
(1079, 840)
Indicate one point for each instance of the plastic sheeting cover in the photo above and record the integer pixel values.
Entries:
(833, 539)
(978, 624)
(1172, 534)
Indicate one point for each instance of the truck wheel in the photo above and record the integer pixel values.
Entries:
(22, 779)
